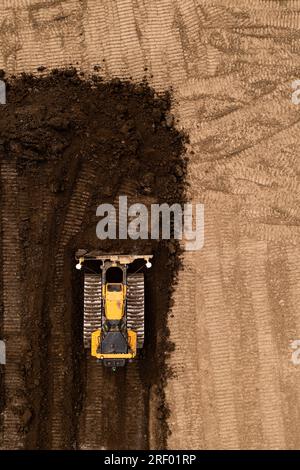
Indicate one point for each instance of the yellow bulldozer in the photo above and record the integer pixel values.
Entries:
(113, 305)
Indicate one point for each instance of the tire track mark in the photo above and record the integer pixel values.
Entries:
(189, 418)
(284, 330)
(254, 257)
(61, 327)
(243, 334)
(12, 319)
(219, 332)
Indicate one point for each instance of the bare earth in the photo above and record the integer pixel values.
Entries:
(231, 65)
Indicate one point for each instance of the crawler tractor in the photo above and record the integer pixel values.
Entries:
(113, 306)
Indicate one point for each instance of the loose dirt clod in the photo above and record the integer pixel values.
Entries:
(76, 143)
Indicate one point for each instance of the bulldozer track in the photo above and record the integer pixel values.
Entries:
(135, 306)
(92, 306)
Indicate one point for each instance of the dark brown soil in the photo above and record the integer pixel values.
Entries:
(67, 134)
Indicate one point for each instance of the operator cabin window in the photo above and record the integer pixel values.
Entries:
(114, 287)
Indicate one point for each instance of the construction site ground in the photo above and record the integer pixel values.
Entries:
(217, 369)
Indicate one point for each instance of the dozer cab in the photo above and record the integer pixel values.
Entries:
(113, 306)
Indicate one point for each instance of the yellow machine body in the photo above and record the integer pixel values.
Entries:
(113, 326)
(96, 341)
(114, 295)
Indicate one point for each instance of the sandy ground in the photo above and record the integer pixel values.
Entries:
(236, 305)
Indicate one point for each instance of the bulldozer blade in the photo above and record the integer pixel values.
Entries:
(98, 256)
